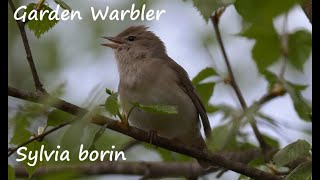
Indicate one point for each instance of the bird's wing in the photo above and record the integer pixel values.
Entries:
(187, 86)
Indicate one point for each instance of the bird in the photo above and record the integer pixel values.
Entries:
(149, 76)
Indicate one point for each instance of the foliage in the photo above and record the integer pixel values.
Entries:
(292, 152)
(205, 89)
(207, 7)
(266, 38)
(11, 175)
(260, 12)
(56, 117)
(63, 4)
(39, 27)
(158, 108)
(301, 105)
(111, 104)
(32, 148)
(268, 50)
(303, 171)
(299, 47)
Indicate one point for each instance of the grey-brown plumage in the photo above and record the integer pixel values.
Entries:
(149, 76)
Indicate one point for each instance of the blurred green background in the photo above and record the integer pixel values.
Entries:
(70, 54)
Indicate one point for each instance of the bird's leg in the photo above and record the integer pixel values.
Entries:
(152, 134)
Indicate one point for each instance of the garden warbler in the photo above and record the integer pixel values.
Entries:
(150, 77)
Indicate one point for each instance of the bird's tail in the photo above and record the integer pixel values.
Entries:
(199, 142)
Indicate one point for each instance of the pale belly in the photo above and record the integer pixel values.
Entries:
(183, 126)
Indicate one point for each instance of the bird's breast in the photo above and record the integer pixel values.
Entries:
(148, 88)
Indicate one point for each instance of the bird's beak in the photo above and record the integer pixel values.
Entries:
(116, 42)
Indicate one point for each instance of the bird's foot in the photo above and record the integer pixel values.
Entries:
(152, 134)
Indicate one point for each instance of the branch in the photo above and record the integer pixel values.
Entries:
(307, 8)
(38, 137)
(215, 21)
(215, 159)
(147, 169)
(38, 85)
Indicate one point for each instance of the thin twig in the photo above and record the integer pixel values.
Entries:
(215, 21)
(38, 85)
(171, 145)
(307, 8)
(250, 110)
(131, 109)
(41, 136)
(284, 42)
(39, 4)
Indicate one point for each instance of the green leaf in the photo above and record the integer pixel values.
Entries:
(271, 141)
(110, 138)
(243, 177)
(108, 91)
(56, 117)
(299, 47)
(111, 104)
(59, 90)
(301, 105)
(212, 108)
(292, 152)
(79, 132)
(21, 134)
(267, 118)
(62, 175)
(167, 155)
(203, 74)
(71, 139)
(205, 91)
(11, 174)
(267, 48)
(97, 135)
(157, 108)
(245, 145)
(262, 11)
(63, 4)
(207, 7)
(39, 27)
(257, 162)
(221, 136)
(223, 108)
(140, 3)
(22, 119)
(271, 78)
(303, 171)
(32, 148)
(266, 52)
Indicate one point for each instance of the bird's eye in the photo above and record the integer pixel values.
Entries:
(131, 38)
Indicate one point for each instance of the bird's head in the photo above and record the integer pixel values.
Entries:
(136, 40)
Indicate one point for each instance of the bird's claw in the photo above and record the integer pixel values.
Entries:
(152, 134)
